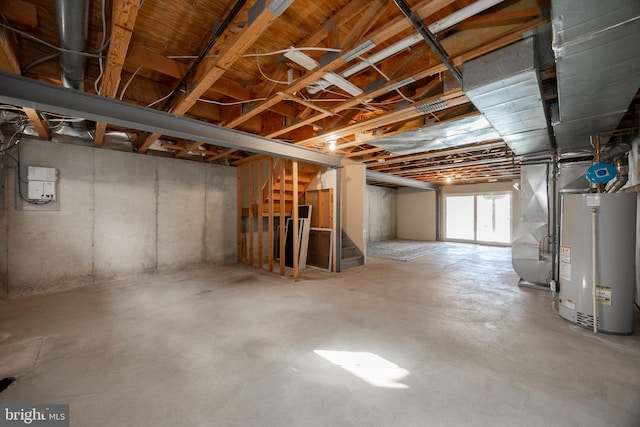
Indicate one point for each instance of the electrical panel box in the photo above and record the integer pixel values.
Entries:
(41, 184)
(36, 173)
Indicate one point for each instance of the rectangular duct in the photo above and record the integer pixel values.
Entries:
(597, 64)
(505, 86)
(531, 257)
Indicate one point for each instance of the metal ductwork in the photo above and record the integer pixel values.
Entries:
(531, 247)
(597, 64)
(505, 86)
(72, 18)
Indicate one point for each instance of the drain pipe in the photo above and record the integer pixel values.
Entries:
(594, 268)
(72, 17)
(555, 232)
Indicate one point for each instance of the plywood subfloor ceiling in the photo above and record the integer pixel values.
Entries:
(278, 69)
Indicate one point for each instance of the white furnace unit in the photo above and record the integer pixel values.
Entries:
(598, 241)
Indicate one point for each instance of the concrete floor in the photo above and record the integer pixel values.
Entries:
(230, 346)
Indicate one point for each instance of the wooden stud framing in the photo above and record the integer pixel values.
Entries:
(282, 212)
(240, 237)
(270, 196)
(320, 206)
(251, 199)
(296, 241)
(260, 215)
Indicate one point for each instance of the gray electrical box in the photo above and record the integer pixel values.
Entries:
(40, 185)
(37, 189)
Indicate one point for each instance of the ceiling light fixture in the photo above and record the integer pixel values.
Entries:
(332, 145)
(448, 180)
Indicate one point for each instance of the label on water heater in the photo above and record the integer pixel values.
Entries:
(565, 254)
(603, 295)
(593, 200)
(569, 304)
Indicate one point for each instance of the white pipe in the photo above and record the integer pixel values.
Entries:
(462, 14)
(594, 270)
(436, 27)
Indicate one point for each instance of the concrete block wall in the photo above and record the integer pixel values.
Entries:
(381, 213)
(121, 215)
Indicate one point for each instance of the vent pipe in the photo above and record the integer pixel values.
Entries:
(72, 17)
(622, 167)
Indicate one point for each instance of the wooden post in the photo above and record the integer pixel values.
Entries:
(239, 245)
(282, 208)
(251, 198)
(320, 216)
(271, 174)
(260, 214)
(296, 241)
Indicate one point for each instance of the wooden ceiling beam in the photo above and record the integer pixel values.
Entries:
(451, 99)
(368, 19)
(9, 61)
(364, 152)
(307, 104)
(380, 35)
(353, 8)
(438, 153)
(139, 55)
(211, 70)
(446, 163)
(40, 125)
(222, 155)
(20, 11)
(467, 164)
(418, 53)
(497, 19)
(124, 16)
(186, 150)
(501, 40)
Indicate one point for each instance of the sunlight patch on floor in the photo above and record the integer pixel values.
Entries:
(369, 367)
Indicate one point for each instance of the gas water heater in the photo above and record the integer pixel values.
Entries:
(597, 240)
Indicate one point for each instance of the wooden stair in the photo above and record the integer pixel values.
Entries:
(351, 255)
(306, 174)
